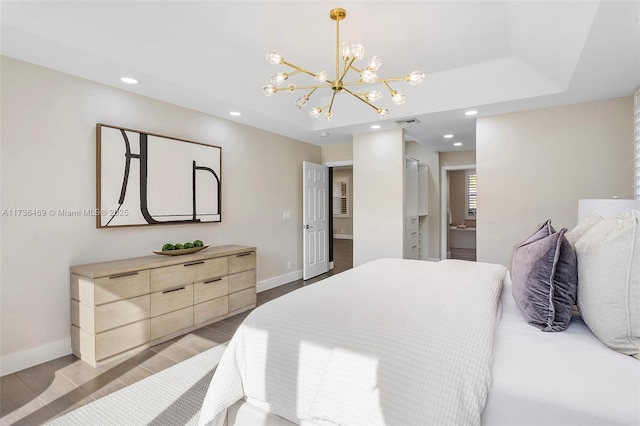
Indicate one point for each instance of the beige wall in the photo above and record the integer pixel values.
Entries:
(457, 158)
(378, 182)
(337, 152)
(48, 162)
(536, 165)
(343, 226)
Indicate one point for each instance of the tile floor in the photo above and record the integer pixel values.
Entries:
(37, 394)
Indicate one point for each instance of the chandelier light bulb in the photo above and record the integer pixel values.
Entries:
(374, 63)
(322, 76)
(415, 77)
(278, 78)
(301, 101)
(368, 76)
(347, 49)
(269, 90)
(273, 57)
(373, 95)
(329, 115)
(358, 51)
(383, 112)
(398, 98)
(315, 112)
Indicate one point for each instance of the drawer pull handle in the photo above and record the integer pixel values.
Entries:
(172, 290)
(212, 281)
(194, 263)
(126, 274)
(243, 254)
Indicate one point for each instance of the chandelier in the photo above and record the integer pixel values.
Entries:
(346, 54)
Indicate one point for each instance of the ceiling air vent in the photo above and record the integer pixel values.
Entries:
(408, 122)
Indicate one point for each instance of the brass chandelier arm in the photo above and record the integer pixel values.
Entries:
(331, 103)
(380, 80)
(300, 69)
(291, 89)
(355, 83)
(313, 89)
(384, 80)
(344, 64)
(346, 69)
(391, 89)
(337, 48)
(361, 98)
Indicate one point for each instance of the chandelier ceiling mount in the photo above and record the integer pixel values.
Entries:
(346, 55)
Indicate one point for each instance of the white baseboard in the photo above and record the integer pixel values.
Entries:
(278, 281)
(34, 356)
(343, 236)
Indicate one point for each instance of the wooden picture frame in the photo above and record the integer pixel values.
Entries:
(147, 179)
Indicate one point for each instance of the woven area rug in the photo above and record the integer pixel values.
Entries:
(171, 397)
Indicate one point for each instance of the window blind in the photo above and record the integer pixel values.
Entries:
(472, 194)
(341, 197)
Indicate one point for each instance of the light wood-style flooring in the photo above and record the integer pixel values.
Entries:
(37, 394)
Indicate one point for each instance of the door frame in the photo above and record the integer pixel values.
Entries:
(444, 201)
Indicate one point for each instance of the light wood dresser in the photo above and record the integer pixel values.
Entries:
(123, 306)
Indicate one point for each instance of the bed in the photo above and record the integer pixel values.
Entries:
(411, 342)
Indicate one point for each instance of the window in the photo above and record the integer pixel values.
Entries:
(471, 183)
(341, 197)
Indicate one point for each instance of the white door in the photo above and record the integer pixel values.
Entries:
(315, 199)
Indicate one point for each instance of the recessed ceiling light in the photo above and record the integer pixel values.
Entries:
(472, 112)
(375, 126)
(457, 144)
(129, 80)
(235, 113)
(449, 136)
(324, 135)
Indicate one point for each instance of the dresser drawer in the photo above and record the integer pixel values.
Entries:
(242, 299)
(171, 300)
(120, 339)
(187, 273)
(242, 280)
(111, 288)
(210, 289)
(211, 309)
(95, 319)
(171, 322)
(242, 262)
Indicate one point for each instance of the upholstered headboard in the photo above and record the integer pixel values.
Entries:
(605, 207)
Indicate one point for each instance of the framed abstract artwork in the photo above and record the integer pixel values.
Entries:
(148, 179)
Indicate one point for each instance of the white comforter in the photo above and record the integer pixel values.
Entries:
(390, 342)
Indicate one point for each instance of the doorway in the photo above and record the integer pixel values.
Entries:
(458, 228)
(341, 218)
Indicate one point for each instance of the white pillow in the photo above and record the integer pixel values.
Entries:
(608, 252)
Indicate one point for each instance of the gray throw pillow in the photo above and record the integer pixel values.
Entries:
(544, 274)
